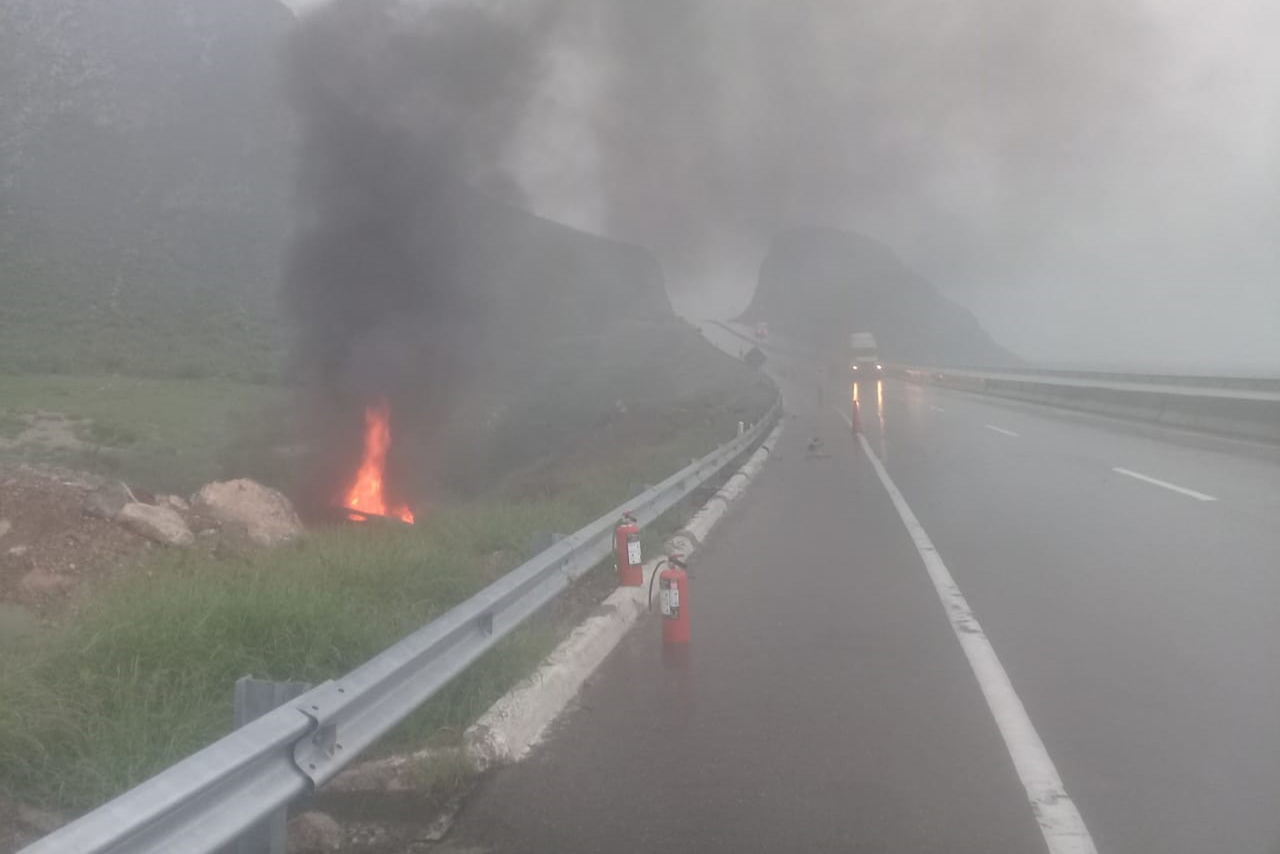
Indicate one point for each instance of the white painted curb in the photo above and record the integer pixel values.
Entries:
(516, 722)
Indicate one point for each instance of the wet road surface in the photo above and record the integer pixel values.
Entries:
(1127, 578)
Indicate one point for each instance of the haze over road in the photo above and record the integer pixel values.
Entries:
(1126, 579)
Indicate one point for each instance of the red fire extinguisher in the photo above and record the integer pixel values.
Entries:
(626, 545)
(673, 600)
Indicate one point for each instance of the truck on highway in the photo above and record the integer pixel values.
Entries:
(863, 355)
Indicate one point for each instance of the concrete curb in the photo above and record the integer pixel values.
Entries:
(517, 722)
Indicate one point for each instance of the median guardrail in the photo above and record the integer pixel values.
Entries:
(1241, 407)
(213, 797)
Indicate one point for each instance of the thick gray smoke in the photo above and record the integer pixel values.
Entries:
(735, 117)
(828, 111)
(1096, 178)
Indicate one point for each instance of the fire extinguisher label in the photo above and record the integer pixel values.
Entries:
(669, 600)
(633, 551)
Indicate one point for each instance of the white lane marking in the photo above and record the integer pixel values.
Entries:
(1002, 430)
(1060, 823)
(936, 408)
(1199, 496)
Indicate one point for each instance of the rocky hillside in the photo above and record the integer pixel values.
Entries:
(148, 157)
(149, 165)
(819, 284)
(145, 181)
(152, 131)
(537, 279)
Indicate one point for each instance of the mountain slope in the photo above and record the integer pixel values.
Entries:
(820, 284)
(145, 181)
(148, 161)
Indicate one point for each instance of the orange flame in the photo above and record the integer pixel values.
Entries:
(366, 495)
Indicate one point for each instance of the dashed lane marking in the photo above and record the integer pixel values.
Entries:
(1199, 496)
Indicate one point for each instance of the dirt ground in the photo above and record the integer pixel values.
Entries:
(51, 551)
(51, 430)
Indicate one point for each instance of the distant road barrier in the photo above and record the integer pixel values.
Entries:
(232, 787)
(1242, 407)
(766, 343)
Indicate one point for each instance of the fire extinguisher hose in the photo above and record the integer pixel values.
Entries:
(654, 578)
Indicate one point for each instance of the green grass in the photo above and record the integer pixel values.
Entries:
(565, 395)
(163, 434)
(143, 675)
(106, 433)
(175, 435)
(52, 322)
(11, 425)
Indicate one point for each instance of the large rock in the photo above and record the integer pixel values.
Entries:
(108, 500)
(265, 513)
(174, 502)
(161, 524)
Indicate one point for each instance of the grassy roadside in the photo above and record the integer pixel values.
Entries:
(143, 676)
(168, 434)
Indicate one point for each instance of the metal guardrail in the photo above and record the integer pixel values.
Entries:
(764, 343)
(212, 797)
(1239, 407)
(1196, 384)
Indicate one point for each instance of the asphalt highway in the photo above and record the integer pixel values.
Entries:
(1098, 647)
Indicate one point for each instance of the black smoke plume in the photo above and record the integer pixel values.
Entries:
(403, 111)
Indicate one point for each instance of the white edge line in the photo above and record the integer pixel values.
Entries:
(936, 408)
(1060, 823)
(1199, 496)
(1002, 430)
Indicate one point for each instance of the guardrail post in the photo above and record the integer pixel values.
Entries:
(254, 698)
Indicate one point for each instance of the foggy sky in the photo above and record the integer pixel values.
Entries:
(1097, 180)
